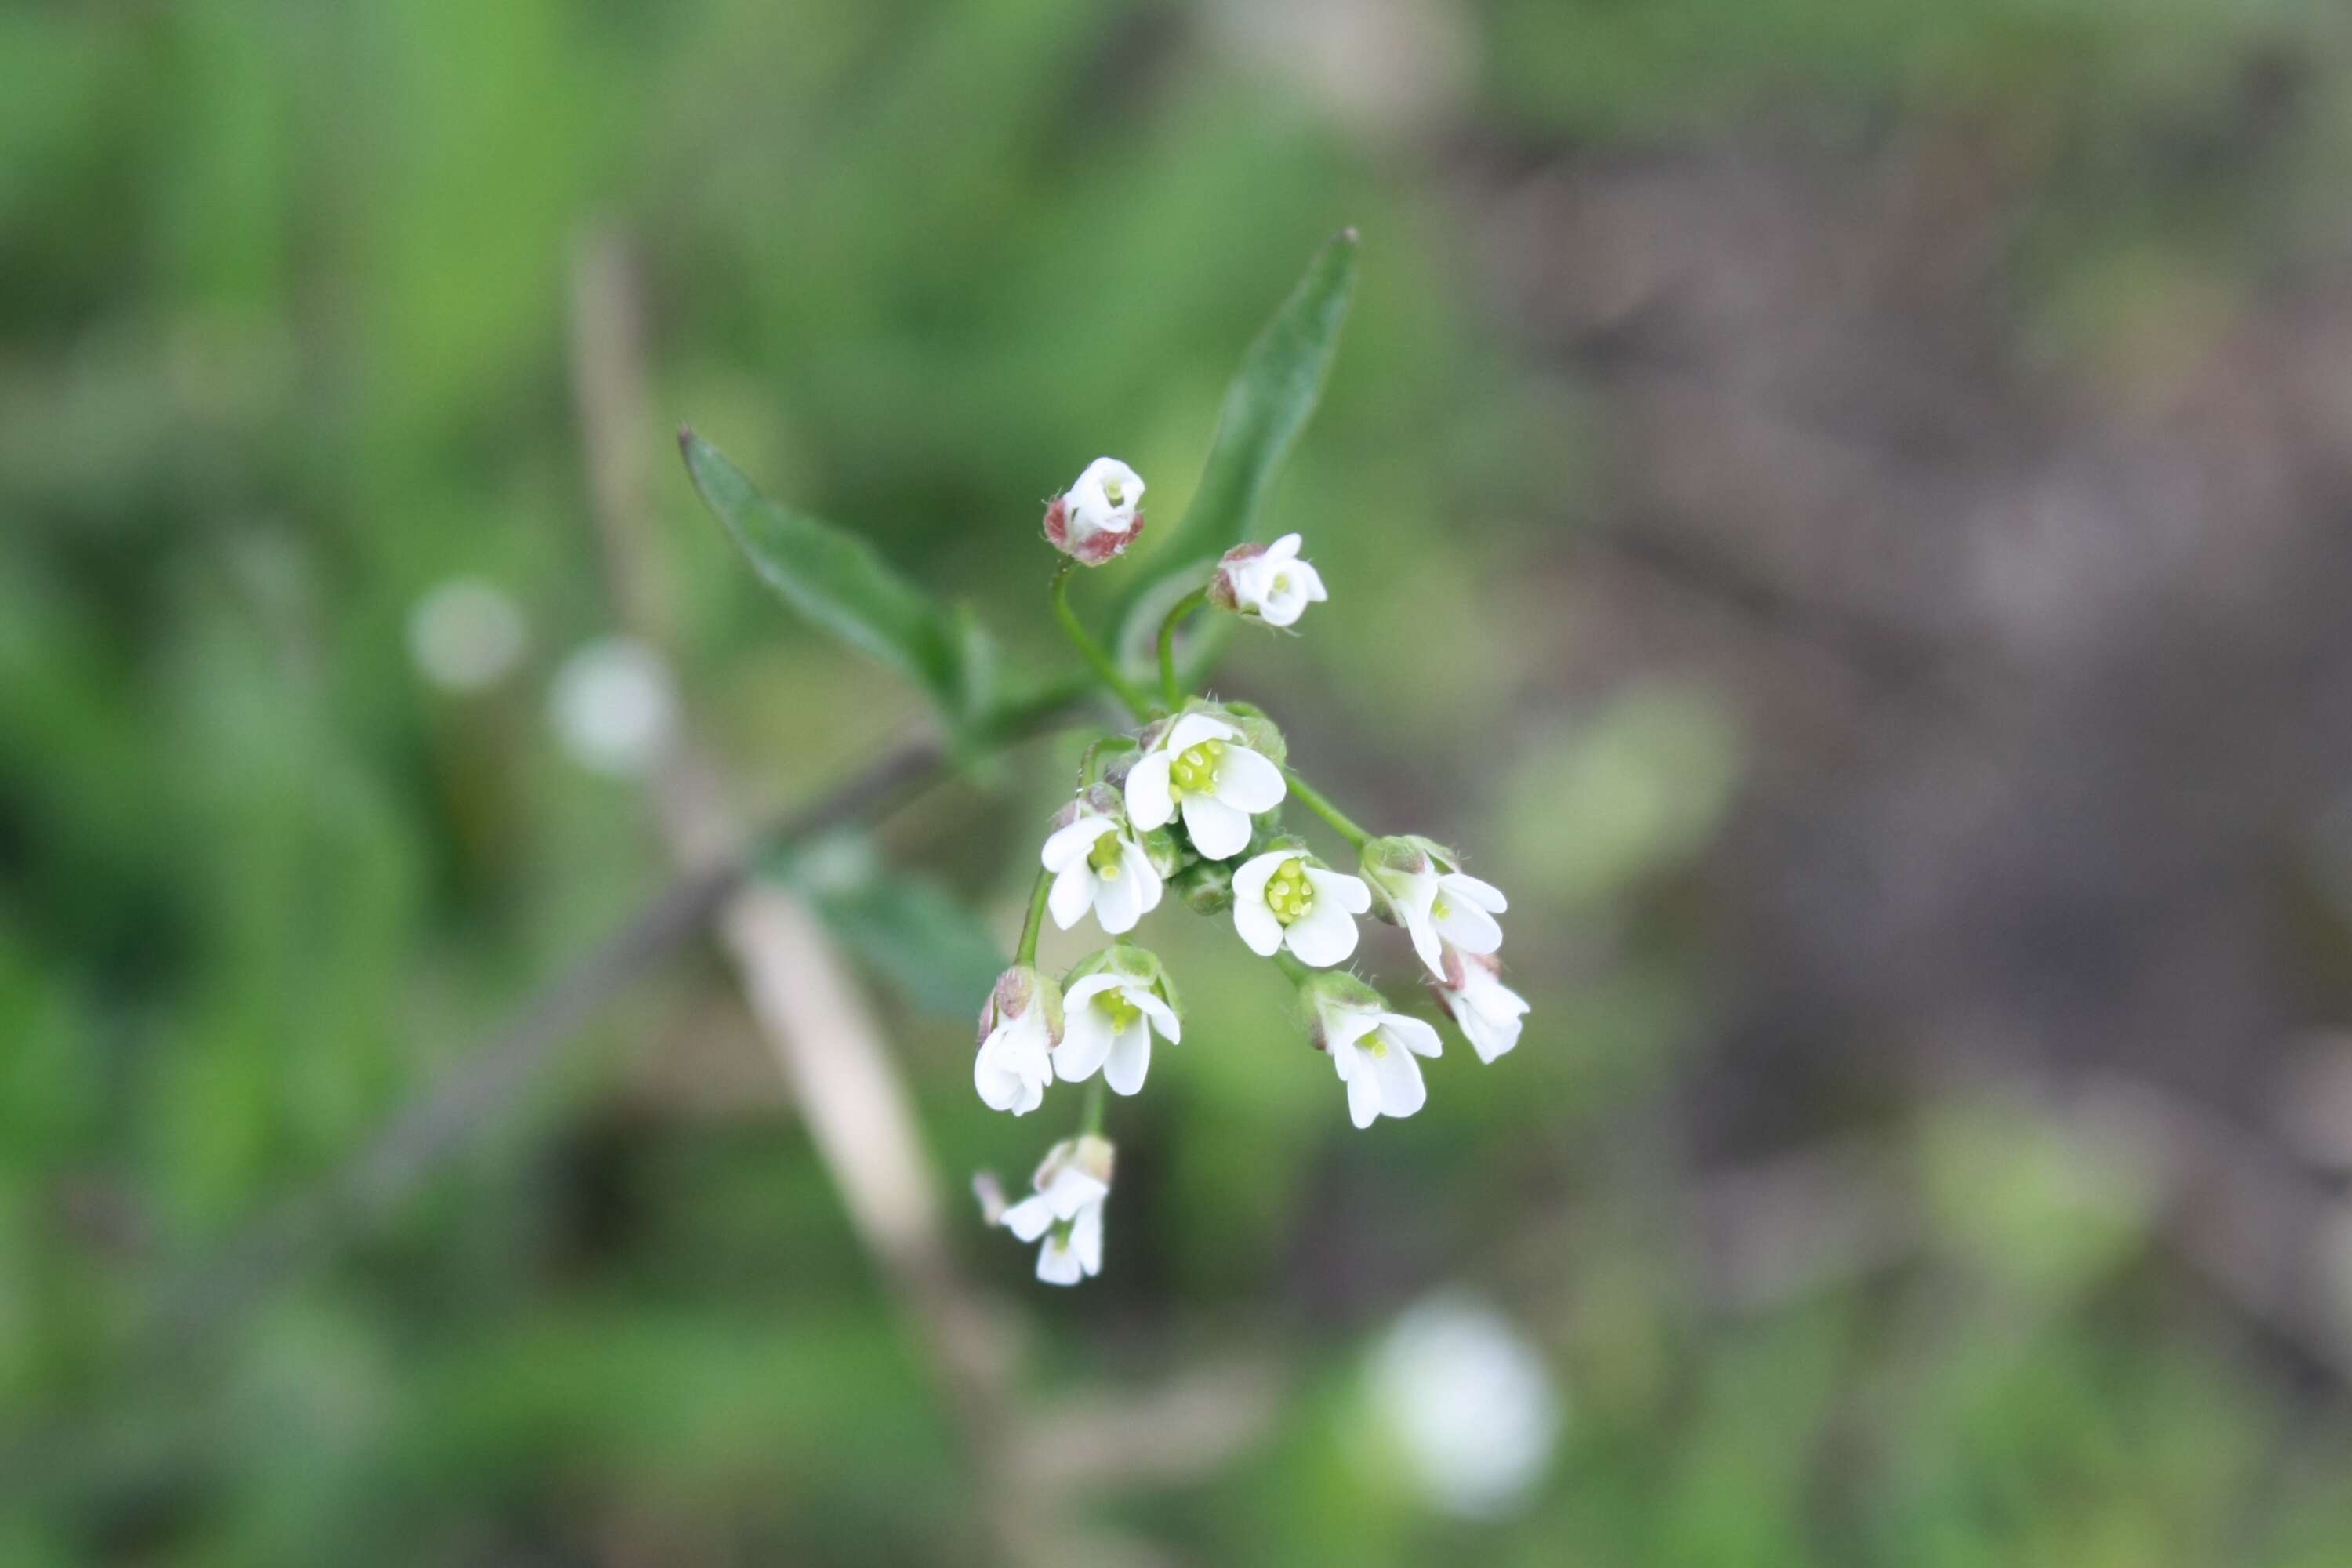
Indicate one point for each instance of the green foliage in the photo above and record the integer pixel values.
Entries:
(929, 944)
(840, 582)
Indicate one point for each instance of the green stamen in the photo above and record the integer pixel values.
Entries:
(1194, 769)
(1106, 856)
(1115, 1006)
(1289, 894)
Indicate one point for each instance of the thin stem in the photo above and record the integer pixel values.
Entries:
(1325, 809)
(1170, 687)
(1029, 927)
(1126, 690)
(1297, 972)
(1090, 1115)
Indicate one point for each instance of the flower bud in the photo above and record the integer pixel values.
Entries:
(1165, 851)
(1394, 866)
(1266, 582)
(1099, 515)
(1205, 885)
(1259, 732)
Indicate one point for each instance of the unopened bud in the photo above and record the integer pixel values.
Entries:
(1206, 887)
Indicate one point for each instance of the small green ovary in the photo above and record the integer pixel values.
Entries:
(1194, 769)
(1120, 1013)
(1289, 894)
(1106, 856)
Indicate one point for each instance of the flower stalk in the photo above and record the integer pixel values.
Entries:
(1108, 671)
(1339, 820)
(1171, 687)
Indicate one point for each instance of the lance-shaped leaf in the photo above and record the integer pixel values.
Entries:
(838, 581)
(1265, 407)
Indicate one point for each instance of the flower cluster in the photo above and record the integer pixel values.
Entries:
(1192, 800)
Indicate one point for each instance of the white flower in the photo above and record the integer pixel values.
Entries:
(1066, 1209)
(1099, 515)
(1372, 1048)
(1487, 1011)
(1282, 899)
(1097, 863)
(1267, 582)
(1019, 1029)
(1423, 888)
(1108, 1023)
(1202, 768)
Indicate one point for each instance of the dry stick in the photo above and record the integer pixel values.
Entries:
(815, 1021)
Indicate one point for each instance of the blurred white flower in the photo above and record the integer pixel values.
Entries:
(1469, 1402)
(1267, 582)
(1202, 768)
(1067, 1210)
(1019, 1027)
(1099, 515)
(1284, 899)
(1097, 863)
(613, 706)
(1372, 1048)
(466, 635)
(1423, 888)
(1487, 1011)
(1108, 1020)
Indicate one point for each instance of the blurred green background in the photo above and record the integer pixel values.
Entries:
(1838, 505)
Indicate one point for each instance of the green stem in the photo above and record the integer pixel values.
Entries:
(1325, 809)
(1292, 967)
(1029, 927)
(1125, 690)
(1090, 1116)
(1170, 687)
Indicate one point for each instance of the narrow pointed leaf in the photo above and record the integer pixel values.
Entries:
(1266, 405)
(838, 581)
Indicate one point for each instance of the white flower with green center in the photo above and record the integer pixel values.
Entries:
(1487, 1011)
(1097, 864)
(1422, 888)
(1201, 769)
(1372, 1048)
(1067, 1210)
(1285, 898)
(1108, 1023)
(1019, 1029)
(1267, 582)
(1099, 515)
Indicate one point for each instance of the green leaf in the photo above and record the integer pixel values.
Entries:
(1265, 407)
(909, 929)
(840, 582)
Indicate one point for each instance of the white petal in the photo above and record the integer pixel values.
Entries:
(1309, 582)
(1130, 1059)
(1470, 928)
(1138, 866)
(1252, 875)
(1074, 890)
(1149, 803)
(1072, 1191)
(1363, 1099)
(1352, 894)
(1219, 832)
(1324, 936)
(1068, 845)
(1401, 1091)
(1417, 925)
(1058, 1264)
(998, 1088)
(1029, 1218)
(1087, 990)
(1343, 1027)
(1412, 1034)
(1085, 1040)
(1257, 926)
(1281, 549)
(1118, 901)
(1282, 609)
(1162, 1017)
(1192, 730)
(1247, 782)
(1086, 1238)
(1486, 894)
(1489, 1036)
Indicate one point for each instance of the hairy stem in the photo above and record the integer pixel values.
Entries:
(1338, 819)
(1124, 689)
(1169, 686)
